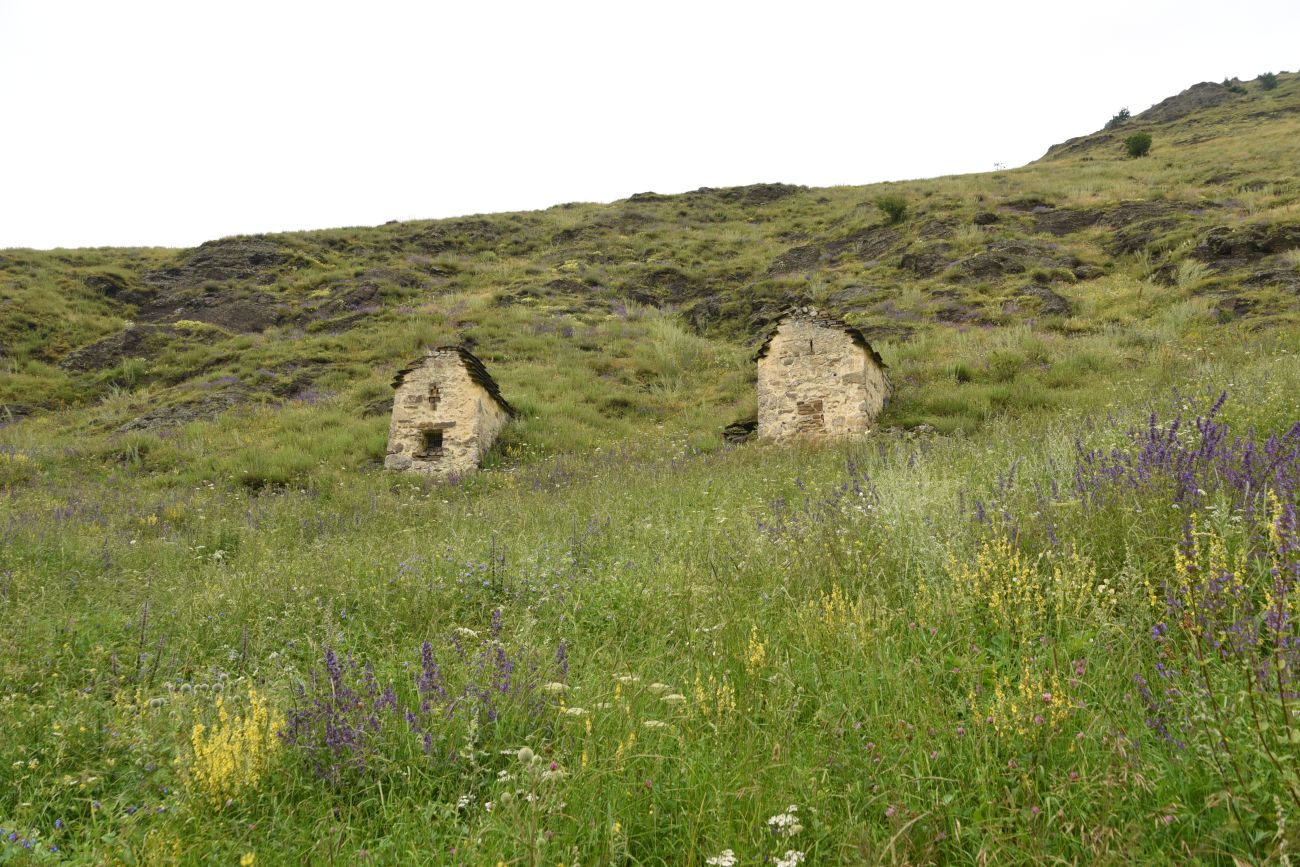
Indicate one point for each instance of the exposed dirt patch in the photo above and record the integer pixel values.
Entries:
(208, 284)
(202, 408)
(740, 431)
(986, 218)
(754, 194)
(1049, 302)
(1063, 221)
(1028, 205)
(1231, 307)
(851, 297)
(928, 261)
(1008, 257)
(461, 236)
(114, 286)
(662, 286)
(1226, 247)
(950, 307)
(254, 259)
(13, 412)
(805, 258)
(866, 245)
(348, 304)
(214, 305)
(1204, 95)
(1280, 278)
(937, 229)
(136, 341)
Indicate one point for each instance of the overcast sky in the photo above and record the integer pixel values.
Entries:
(124, 122)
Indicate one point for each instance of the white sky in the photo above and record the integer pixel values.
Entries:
(126, 122)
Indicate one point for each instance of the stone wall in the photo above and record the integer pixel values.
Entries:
(815, 382)
(443, 422)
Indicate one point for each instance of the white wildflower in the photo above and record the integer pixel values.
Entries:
(658, 687)
(655, 724)
(463, 801)
(465, 632)
(785, 824)
(626, 679)
(575, 711)
(675, 698)
(555, 687)
(726, 859)
(790, 858)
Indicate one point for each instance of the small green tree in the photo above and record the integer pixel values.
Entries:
(1121, 117)
(1267, 81)
(1138, 144)
(893, 206)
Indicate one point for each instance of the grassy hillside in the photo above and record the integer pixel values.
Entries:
(1039, 615)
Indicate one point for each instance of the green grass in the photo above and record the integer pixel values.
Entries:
(814, 606)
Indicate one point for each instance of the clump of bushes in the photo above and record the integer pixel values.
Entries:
(893, 206)
(1267, 80)
(1138, 144)
(1121, 117)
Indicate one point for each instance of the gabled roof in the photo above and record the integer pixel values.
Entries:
(477, 372)
(808, 314)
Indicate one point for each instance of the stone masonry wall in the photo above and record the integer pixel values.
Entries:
(439, 396)
(815, 382)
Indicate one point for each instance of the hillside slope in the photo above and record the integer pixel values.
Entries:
(599, 318)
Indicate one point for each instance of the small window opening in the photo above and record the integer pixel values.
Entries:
(430, 444)
(434, 396)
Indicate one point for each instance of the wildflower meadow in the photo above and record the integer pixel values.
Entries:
(1067, 638)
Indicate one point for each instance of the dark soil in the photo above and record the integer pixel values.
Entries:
(1281, 278)
(805, 258)
(1231, 307)
(1226, 247)
(114, 286)
(740, 431)
(926, 262)
(1009, 257)
(254, 259)
(136, 341)
(754, 194)
(13, 412)
(203, 408)
(1063, 221)
(865, 245)
(1204, 95)
(1049, 302)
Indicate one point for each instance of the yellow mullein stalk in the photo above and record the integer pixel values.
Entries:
(234, 755)
(756, 653)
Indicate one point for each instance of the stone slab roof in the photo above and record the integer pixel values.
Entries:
(808, 314)
(477, 373)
